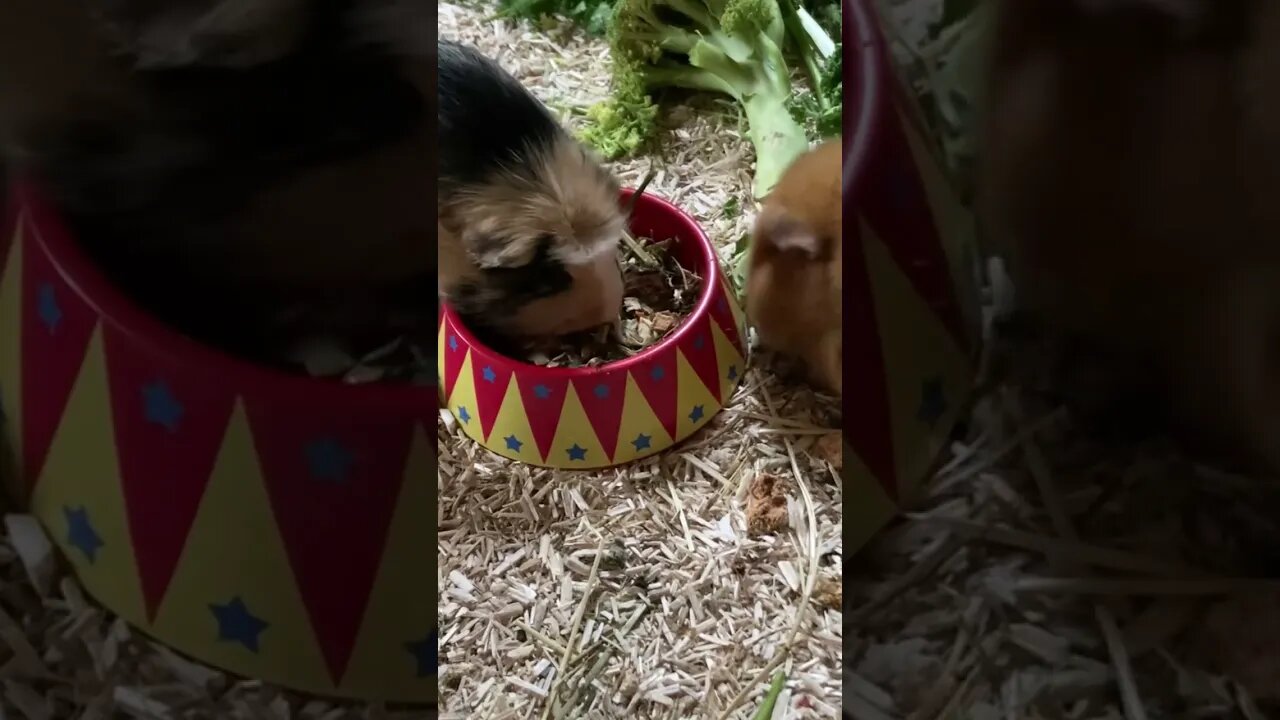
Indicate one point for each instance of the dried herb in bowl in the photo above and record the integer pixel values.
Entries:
(659, 294)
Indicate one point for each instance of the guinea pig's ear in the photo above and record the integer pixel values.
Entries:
(491, 253)
(218, 33)
(785, 234)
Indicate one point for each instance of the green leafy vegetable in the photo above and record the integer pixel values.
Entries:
(732, 47)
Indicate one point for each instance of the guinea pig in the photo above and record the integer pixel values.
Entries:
(1129, 168)
(529, 220)
(260, 153)
(794, 277)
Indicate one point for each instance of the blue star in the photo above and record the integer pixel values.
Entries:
(424, 651)
(80, 533)
(601, 391)
(453, 342)
(236, 623)
(160, 407)
(722, 304)
(328, 460)
(488, 374)
(699, 341)
(933, 401)
(577, 453)
(47, 307)
(641, 442)
(513, 443)
(696, 414)
(463, 415)
(733, 372)
(657, 373)
(542, 392)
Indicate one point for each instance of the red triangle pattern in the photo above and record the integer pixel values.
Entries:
(657, 381)
(543, 394)
(56, 327)
(169, 426)
(897, 208)
(455, 351)
(722, 316)
(602, 396)
(333, 490)
(868, 420)
(491, 379)
(699, 349)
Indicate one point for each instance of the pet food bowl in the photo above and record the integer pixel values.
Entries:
(593, 417)
(277, 527)
(912, 323)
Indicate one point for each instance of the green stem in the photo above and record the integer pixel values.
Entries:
(771, 698)
(806, 49)
(777, 137)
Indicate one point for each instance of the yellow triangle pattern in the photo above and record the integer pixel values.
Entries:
(462, 401)
(917, 348)
(575, 429)
(730, 363)
(404, 597)
(11, 368)
(692, 393)
(235, 521)
(81, 478)
(638, 419)
(513, 424)
(866, 508)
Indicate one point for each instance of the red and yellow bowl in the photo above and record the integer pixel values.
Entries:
(279, 527)
(911, 297)
(593, 417)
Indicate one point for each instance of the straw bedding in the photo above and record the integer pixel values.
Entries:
(1049, 576)
(691, 603)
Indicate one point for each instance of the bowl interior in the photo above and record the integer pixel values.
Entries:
(168, 347)
(659, 220)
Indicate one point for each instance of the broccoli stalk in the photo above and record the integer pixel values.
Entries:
(732, 47)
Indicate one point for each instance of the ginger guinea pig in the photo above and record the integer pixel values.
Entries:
(794, 273)
(529, 220)
(1130, 167)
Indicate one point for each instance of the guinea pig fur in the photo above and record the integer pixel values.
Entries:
(259, 153)
(1129, 169)
(794, 276)
(529, 219)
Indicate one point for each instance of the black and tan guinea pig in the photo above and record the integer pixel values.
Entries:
(219, 157)
(1130, 168)
(794, 277)
(529, 220)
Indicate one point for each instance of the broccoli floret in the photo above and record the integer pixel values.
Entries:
(733, 47)
(821, 110)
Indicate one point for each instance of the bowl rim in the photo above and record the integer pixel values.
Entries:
(867, 75)
(710, 272)
(249, 380)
